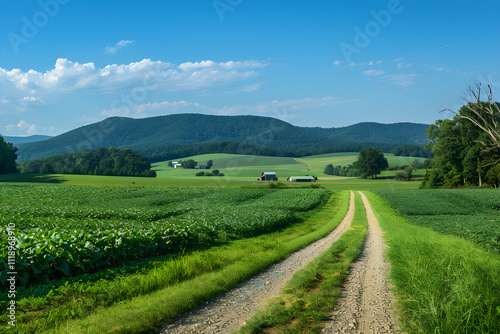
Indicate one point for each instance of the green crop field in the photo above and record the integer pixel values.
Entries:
(126, 181)
(473, 214)
(106, 244)
(87, 255)
(67, 231)
(246, 167)
(240, 171)
(317, 163)
(444, 283)
(250, 167)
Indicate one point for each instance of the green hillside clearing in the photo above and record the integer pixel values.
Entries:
(240, 171)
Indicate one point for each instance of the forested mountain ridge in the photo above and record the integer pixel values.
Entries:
(199, 129)
(29, 139)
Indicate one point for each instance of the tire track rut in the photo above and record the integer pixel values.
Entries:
(366, 302)
(228, 312)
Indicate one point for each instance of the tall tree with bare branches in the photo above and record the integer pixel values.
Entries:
(467, 147)
(484, 115)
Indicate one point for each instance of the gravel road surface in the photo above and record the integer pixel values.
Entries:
(228, 312)
(366, 303)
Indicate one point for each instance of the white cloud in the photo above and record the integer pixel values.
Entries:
(117, 46)
(31, 100)
(172, 106)
(251, 87)
(279, 108)
(22, 125)
(466, 72)
(230, 65)
(314, 103)
(372, 73)
(369, 63)
(49, 128)
(398, 59)
(70, 76)
(442, 69)
(116, 112)
(400, 65)
(165, 106)
(403, 80)
(445, 46)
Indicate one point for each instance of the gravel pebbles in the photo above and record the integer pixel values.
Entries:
(228, 312)
(366, 302)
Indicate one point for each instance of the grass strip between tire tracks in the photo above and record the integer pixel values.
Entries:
(143, 313)
(310, 296)
(444, 284)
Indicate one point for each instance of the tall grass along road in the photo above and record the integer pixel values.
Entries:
(366, 301)
(445, 284)
(227, 312)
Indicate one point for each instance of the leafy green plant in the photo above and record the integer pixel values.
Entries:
(468, 213)
(445, 284)
(64, 231)
(193, 275)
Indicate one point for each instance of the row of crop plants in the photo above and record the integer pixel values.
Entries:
(120, 291)
(443, 249)
(473, 214)
(68, 231)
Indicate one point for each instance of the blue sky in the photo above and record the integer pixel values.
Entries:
(68, 63)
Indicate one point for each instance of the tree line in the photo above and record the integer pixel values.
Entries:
(171, 152)
(339, 170)
(370, 163)
(466, 148)
(101, 161)
(8, 157)
(416, 151)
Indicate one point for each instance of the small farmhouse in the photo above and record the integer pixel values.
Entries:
(268, 176)
(306, 178)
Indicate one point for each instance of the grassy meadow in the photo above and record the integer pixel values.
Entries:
(88, 256)
(245, 167)
(129, 248)
(240, 171)
(249, 167)
(443, 283)
(472, 214)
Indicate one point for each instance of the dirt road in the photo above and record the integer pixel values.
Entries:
(228, 312)
(366, 303)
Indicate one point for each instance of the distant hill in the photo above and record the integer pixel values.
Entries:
(187, 130)
(21, 140)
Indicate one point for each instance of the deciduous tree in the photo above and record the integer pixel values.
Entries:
(467, 147)
(371, 162)
(483, 114)
(328, 169)
(8, 157)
